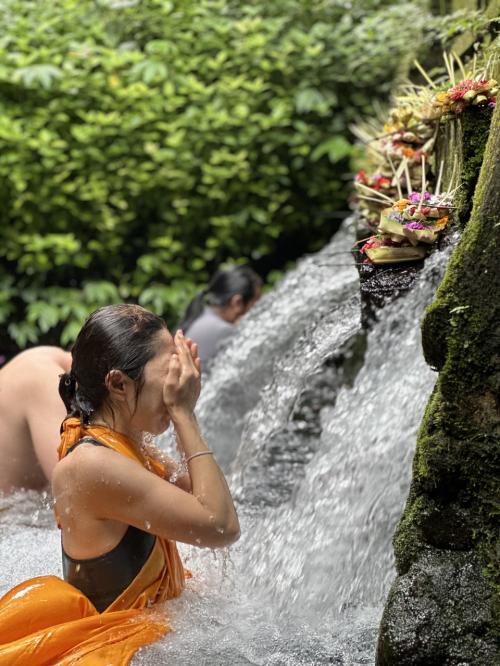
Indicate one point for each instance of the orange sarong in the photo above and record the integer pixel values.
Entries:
(46, 621)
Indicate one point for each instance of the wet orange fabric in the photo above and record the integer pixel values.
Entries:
(46, 621)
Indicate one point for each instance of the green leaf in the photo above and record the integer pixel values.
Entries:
(43, 75)
(145, 143)
(101, 293)
(149, 71)
(43, 314)
(22, 333)
(336, 148)
(308, 100)
(70, 331)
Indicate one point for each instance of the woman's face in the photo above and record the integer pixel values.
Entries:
(149, 414)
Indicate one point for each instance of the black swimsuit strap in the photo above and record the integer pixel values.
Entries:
(103, 578)
(86, 440)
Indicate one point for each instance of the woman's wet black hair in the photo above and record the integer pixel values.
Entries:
(225, 283)
(116, 337)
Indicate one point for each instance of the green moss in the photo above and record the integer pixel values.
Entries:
(453, 509)
(474, 126)
(454, 499)
(463, 143)
(408, 542)
(435, 333)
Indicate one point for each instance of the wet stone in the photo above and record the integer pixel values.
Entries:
(381, 285)
(439, 614)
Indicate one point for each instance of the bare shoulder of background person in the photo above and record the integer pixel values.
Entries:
(31, 412)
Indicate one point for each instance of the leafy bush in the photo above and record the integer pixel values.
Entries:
(142, 143)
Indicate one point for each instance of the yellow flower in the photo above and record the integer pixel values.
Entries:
(114, 81)
(441, 99)
(401, 205)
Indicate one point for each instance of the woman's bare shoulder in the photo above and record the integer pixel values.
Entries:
(90, 466)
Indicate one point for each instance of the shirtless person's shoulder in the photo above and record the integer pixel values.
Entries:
(31, 412)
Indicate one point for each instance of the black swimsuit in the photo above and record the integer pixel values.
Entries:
(102, 579)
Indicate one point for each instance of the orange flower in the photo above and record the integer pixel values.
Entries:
(441, 99)
(401, 205)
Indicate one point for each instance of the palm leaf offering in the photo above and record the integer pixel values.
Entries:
(399, 194)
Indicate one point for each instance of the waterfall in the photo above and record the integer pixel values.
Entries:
(329, 547)
(321, 465)
(316, 423)
(308, 292)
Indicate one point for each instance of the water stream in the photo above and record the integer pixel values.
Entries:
(318, 284)
(316, 426)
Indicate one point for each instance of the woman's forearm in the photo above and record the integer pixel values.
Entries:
(207, 480)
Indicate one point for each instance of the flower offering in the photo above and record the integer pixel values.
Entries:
(418, 219)
(380, 249)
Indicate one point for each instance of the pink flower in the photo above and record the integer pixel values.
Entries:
(378, 241)
(416, 196)
(457, 92)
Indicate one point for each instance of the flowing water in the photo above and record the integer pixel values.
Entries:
(306, 294)
(317, 427)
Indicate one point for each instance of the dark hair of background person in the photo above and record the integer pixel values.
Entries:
(225, 283)
(115, 337)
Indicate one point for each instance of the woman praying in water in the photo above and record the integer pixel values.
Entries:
(119, 514)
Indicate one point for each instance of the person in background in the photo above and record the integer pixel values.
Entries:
(31, 413)
(212, 315)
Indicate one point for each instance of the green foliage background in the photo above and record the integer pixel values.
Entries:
(142, 143)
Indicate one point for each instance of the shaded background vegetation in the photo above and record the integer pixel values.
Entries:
(143, 143)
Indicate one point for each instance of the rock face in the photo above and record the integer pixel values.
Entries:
(460, 146)
(380, 285)
(444, 606)
(442, 612)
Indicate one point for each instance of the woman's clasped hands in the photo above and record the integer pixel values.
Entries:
(183, 381)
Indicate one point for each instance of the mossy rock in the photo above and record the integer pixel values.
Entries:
(439, 614)
(453, 508)
(461, 143)
(460, 146)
